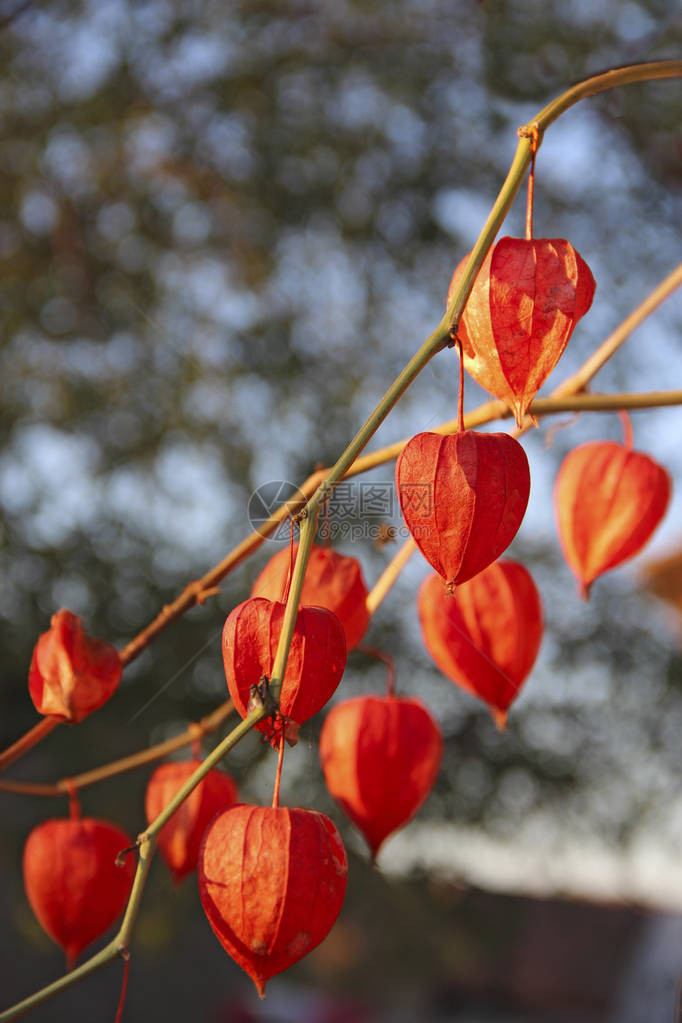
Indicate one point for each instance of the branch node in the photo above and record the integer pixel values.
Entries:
(531, 131)
(196, 730)
(121, 858)
(260, 697)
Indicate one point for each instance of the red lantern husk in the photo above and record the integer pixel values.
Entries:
(380, 757)
(272, 883)
(463, 498)
(608, 501)
(72, 881)
(332, 580)
(180, 838)
(486, 636)
(71, 673)
(525, 302)
(317, 658)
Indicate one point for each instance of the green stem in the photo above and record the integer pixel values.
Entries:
(211, 760)
(507, 194)
(305, 543)
(440, 337)
(146, 850)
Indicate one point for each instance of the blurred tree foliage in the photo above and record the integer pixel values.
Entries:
(224, 227)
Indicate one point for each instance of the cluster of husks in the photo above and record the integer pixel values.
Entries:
(463, 497)
(272, 880)
(380, 757)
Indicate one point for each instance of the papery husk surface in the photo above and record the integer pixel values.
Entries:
(608, 500)
(463, 498)
(316, 661)
(272, 882)
(527, 298)
(486, 636)
(380, 756)
(71, 673)
(72, 881)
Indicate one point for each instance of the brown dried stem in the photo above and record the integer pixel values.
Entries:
(28, 741)
(62, 787)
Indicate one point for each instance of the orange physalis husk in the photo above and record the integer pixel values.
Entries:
(463, 498)
(608, 501)
(316, 661)
(380, 756)
(272, 882)
(331, 580)
(180, 838)
(486, 636)
(73, 882)
(525, 302)
(71, 673)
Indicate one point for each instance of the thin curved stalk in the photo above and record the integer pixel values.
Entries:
(650, 71)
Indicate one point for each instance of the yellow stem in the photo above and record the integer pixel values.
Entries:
(389, 575)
